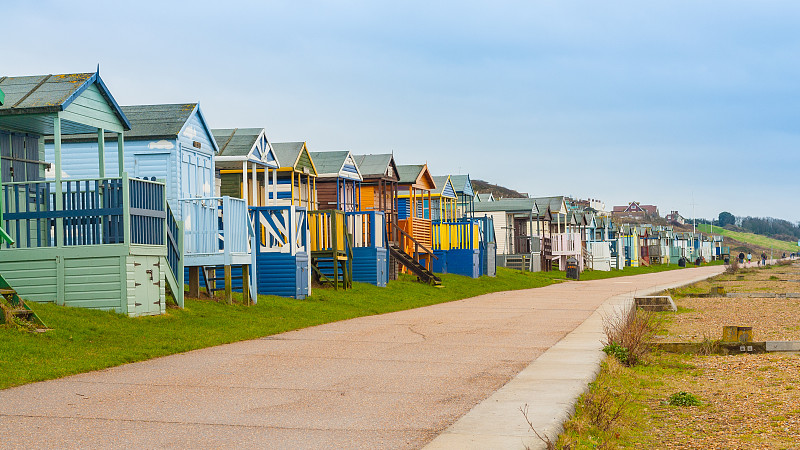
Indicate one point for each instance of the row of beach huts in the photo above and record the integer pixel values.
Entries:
(109, 207)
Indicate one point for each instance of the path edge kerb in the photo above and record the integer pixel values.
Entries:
(550, 386)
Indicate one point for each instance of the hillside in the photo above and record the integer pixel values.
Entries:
(484, 187)
(759, 241)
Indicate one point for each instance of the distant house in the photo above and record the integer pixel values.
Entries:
(674, 217)
(484, 197)
(635, 210)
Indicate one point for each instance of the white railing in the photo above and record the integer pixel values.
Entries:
(215, 226)
(565, 243)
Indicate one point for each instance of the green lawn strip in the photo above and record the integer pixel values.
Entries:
(82, 340)
(750, 238)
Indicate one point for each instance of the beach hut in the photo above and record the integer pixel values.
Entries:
(96, 242)
(173, 143)
(414, 223)
(444, 201)
(466, 196)
(338, 181)
(296, 180)
(249, 169)
(519, 230)
(247, 165)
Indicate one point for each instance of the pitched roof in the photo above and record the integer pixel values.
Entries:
(409, 172)
(236, 141)
(158, 121)
(485, 197)
(43, 94)
(288, 152)
(520, 205)
(554, 203)
(442, 183)
(462, 184)
(329, 162)
(375, 165)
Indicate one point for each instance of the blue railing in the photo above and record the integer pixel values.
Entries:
(174, 252)
(147, 211)
(92, 212)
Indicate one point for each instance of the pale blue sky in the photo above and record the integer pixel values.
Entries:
(616, 100)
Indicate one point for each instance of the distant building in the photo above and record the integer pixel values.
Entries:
(674, 217)
(487, 197)
(635, 210)
(589, 203)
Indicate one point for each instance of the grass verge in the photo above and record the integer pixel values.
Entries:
(754, 239)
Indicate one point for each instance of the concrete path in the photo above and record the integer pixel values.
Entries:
(390, 381)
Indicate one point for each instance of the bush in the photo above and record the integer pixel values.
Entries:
(630, 329)
(683, 399)
(617, 351)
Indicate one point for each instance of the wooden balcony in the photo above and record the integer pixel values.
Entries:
(566, 244)
(216, 231)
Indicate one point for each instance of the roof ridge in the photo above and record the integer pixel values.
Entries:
(225, 145)
(31, 91)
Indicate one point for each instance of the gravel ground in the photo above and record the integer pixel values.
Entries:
(772, 319)
(748, 401)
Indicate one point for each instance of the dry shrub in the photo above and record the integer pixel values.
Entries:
(630, 329)
(733, 267)
(604, 406)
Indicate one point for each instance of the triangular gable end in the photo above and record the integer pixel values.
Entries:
(391, 170)
(262, 151)
(304, 163)
(350, 169)
(448, 190)
(425, 179)
(196, 130)
(92, 104)
(468, 188)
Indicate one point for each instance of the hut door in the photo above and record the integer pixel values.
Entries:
(521, 239)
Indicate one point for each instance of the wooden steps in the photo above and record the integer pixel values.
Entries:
(415, 267)
(13, 307)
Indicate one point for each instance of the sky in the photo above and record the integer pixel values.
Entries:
(688, 105)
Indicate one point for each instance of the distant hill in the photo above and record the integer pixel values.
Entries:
(484, 187)
(751, 240)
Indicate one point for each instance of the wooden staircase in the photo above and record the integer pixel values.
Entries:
(425, 275)
(13, 307)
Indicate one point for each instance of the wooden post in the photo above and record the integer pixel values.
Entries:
(244, 182)
(246, 284)
(228, 290)
(101, 152)
(59, 188)
(254, 187)
(121, 154)
(194, 281)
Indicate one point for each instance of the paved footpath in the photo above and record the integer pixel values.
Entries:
(399, 380)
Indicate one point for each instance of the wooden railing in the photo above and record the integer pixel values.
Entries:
(214, 226)
(464, 235)
(280, 229)
(566, 243)
(92, 211)
(410, 245)
(367, 228)
(327, 230)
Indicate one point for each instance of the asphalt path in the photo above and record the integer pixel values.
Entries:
(395, 380)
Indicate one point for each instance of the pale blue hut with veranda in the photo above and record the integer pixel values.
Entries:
(97, 241)
(174, 144)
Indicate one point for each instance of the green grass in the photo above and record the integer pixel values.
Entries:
(755, 239)
(82, 340)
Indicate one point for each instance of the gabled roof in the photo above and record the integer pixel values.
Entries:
(377, 166)
(151, 122)
(512, 205)
(462, 184)
(237, 145)
(290, 154)
(47, 94)
(553, 203)
(444, 187)
(417, 176)
(487, 197)
(337, 164)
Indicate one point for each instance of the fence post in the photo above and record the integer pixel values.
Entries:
(126, 209)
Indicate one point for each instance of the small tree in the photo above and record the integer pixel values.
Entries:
(726, 218)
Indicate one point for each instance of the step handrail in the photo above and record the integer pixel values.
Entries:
(417, 244)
